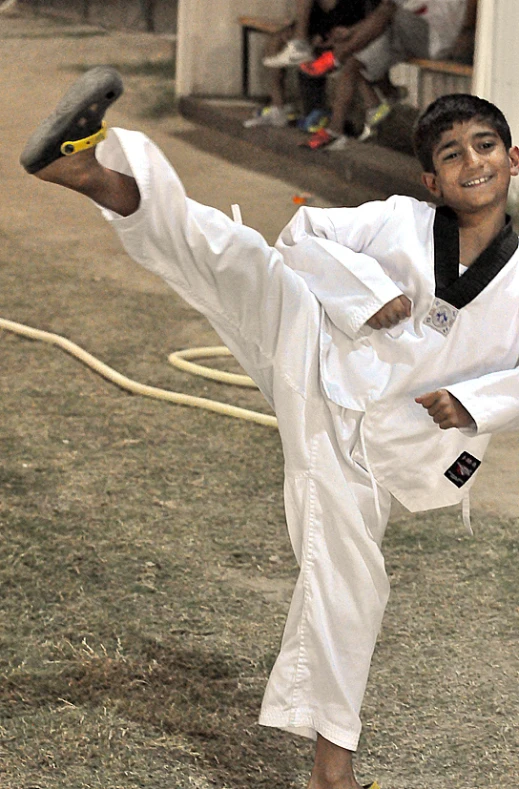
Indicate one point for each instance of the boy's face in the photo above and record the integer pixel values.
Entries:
(472, 168)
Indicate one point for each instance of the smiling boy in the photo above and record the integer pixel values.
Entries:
(385, 337)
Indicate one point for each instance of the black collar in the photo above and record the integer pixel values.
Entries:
(457, 290)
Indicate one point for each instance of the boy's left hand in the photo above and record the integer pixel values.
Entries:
(445, 409)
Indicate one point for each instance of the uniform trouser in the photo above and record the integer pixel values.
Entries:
(268, 318)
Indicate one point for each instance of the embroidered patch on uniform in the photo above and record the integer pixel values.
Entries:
(462, 469)
(441, 316)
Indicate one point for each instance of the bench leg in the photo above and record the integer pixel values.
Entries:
(245, 60)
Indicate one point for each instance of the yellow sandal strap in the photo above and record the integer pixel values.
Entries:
(71, 147)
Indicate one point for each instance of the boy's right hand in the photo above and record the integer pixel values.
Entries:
(391, 314)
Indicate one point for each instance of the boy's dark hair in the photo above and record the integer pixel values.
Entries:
(442, 114)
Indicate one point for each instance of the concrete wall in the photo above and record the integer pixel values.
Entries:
(495, 66)
(119, 14)
(209, 43)
(496, 57)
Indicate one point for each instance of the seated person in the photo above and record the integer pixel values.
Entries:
(318, 18)
(396, 31)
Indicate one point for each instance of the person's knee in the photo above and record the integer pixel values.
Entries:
(353, 65)
(327, 5)
(350, 71)
(277, 41)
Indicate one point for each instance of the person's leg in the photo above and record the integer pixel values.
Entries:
(334, 136)
(274, 114)
(370, 97)
(303, 11)
(84, 174)
(317, 684)
(313, 93)
(377, 107)
(345, 88)
(277, 87)
(61, 150)
(278, 76)
(297, 50)
(333, 767)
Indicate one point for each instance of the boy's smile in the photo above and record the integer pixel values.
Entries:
(472, 168)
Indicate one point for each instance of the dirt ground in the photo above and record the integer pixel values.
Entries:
(145, 570)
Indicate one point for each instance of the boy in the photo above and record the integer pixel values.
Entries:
(387, 369)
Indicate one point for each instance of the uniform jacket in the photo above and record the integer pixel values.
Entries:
(294, 316)
(355, 260)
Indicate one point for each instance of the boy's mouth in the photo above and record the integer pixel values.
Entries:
(477, 181)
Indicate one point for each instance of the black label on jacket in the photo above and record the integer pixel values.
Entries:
(462, 469)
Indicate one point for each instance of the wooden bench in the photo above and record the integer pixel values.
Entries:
(434, 77)
(255, 24)
(443, 66)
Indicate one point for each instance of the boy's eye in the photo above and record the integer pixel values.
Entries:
(450, 155)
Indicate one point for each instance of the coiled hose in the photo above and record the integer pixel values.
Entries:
(180, 359)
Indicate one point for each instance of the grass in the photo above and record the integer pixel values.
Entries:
(145, 575)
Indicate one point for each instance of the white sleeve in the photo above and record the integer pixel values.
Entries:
(492, 400)
(324, 246)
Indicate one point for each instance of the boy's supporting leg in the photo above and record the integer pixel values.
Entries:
(83, 173)
(333, 767)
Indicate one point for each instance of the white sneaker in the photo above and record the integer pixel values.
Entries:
(293, 53)
(269, 116)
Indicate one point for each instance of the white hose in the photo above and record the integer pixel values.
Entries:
(179, 360)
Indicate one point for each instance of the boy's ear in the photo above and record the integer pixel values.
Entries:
(430, 182)
(514, 160)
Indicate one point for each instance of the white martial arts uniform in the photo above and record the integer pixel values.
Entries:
(343, 395)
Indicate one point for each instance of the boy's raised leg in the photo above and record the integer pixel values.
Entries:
(83, 173)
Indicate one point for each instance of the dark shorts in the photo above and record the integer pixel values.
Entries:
(345, 13)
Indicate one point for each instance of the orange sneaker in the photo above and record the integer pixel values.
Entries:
(322, 65)
(324, 138)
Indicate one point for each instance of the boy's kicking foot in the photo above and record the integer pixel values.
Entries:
(62, 149)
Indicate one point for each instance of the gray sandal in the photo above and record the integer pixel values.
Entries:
(77, 122)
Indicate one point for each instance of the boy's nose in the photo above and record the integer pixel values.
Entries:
(472, 157)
